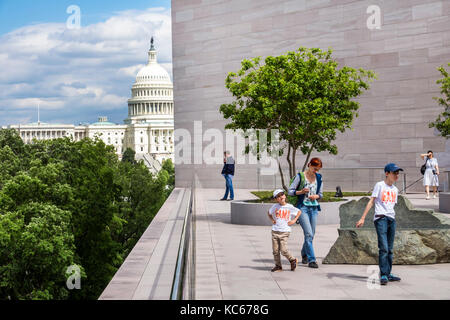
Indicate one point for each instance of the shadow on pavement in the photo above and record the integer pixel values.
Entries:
(346, 276)
(256, 268)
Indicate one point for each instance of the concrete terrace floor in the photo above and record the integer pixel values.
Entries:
(234, 261)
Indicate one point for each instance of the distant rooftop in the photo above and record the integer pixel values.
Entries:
(103, 121)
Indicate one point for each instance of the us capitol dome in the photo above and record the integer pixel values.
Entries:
(151, 94)
(148, 129)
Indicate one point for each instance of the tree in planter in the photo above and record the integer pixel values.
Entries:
(302, 94)
(442, 122)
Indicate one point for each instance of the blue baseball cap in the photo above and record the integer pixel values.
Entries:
(392, 167)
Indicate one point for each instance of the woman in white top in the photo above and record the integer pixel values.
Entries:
(430, 177)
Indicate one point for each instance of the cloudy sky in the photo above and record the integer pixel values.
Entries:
(76, 74)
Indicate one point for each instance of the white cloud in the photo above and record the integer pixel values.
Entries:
(24, 104)
(130, 71)
(78, 71)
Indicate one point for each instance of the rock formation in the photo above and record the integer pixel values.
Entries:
(422, 236)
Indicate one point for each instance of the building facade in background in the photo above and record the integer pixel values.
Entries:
(211, 38)
(148, 129)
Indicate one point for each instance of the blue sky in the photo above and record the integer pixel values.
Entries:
(19, 13)
(79, 74)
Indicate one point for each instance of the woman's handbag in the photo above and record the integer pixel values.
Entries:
(423, 167)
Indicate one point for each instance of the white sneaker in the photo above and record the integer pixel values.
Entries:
(434, 196)
(427, 198)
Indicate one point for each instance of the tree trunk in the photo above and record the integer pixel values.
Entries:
(307, 157)
(294, 169)
(282, 176)
(288, 158)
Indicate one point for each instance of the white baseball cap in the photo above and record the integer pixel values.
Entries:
(277, 191)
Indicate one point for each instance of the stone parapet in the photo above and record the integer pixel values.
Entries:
(148, 271)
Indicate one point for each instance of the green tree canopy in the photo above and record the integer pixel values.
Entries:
(302, 94)
(9, 164)
(442, 123)
(63, 203)
(10, 137)
(168, 166)
(141, 196)
(128, 155)
(36, 247)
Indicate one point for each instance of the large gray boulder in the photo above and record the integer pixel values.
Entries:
(422, 236)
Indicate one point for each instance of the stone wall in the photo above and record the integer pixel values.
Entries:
(211, 37)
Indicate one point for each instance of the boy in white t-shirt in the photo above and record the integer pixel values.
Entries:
(384, 195)
(281, 215)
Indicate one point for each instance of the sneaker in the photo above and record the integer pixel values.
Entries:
(427, 198)
(223, 199)
(313, 265)
(277, 269)
(384, 280)
(294, 264)
(392, 277)
(305, 260)
(434, 196)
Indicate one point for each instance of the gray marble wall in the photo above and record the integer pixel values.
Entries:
(211, 37)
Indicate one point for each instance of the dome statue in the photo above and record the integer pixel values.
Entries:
(153, 72)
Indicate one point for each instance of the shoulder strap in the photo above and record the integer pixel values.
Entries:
(301, 184)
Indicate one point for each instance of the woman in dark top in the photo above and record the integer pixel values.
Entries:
(228, 173)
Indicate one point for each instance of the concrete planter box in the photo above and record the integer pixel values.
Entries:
(249, 213)
(444, 202)
(255, 214)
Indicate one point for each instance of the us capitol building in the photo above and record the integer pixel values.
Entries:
(148, 129)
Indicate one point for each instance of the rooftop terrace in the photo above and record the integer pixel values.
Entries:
(226, 261)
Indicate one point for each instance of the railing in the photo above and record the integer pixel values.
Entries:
(184, 276)
(406, 187)
(444, 180)
(160, 266)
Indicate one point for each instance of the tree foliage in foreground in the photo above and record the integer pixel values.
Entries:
(65, 203)
(302, 94)
(442, 123)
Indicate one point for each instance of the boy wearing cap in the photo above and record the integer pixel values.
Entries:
(281, 215)
(384, 195)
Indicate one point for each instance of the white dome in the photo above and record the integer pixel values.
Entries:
(151, 94)
(153, 72)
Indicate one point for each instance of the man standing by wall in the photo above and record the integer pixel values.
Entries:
(228, 173)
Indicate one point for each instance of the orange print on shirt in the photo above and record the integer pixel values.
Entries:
(388, 196)
(283, 214)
